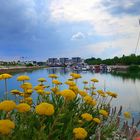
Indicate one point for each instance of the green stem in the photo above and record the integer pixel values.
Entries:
(6, 89)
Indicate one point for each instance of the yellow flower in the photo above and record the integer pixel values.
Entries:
(127, 115)
(29, 91)
(82, 93)
(97, 120)
(55, 90)
(100, 92)
(103, 95)
(45, 109)
(23, 78)
(93, 102)
(15, 91)
(7, 105)
(86, 88)
(75, 75)
(6, 76)
(88, 99)
(38, 87)
(56, 82)
(108, 92)
(40, 91)
(94, 80)
(70, 79)
(23, 107)
(47, 92)
(93, 93)
(114, 95)
(85, 82)
(70, 83)
(26, 86)
(6, 126)
(29, 100)
(87, 116)
(68, 94)
(1, 78)
(21, 94)
(53, 76)
(103, 112)
(41, 80)
(80, 133)
(74, 89)
(93, 87)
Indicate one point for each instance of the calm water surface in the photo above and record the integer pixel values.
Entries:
(128, 89)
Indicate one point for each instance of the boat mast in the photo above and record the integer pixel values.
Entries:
(137, 40)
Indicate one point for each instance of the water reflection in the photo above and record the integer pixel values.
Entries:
(127, 75)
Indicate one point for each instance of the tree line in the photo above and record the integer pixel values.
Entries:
(124, 60)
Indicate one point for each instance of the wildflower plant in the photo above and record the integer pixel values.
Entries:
(68, 114)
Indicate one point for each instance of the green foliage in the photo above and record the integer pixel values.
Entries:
(29, 65)
(124, 60)
(134, 68)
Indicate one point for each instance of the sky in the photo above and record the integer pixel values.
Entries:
(40, 29)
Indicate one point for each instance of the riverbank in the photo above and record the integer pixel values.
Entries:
(19, 69)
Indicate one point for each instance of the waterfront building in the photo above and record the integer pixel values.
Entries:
(64, 60)
(76, 60)
(53, 61)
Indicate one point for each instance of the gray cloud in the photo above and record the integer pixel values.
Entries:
(117, 7)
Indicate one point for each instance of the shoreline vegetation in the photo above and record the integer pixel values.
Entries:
(15, 69)
(70, 114)
(124, 60)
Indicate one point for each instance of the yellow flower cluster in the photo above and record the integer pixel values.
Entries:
(5, 76)
(89, 100)
(97, 120)
(114, 95)
(41, 80)
(68, 94)
(85, 82)
(74, 89)
(7, 105)
(75, 75)
(101, 93)
(86, 88)
(23, 107)
(82, 93)
(28, 100)
(127, 115)
(40, 91)
(87, 116)
(80, 133)
(38, 87)
(70, 83)
(56, 82)
(103, 112)
(53, 76)
(6, 126)
(15, 91)
(45, 109)
(23, 78)
(55, 90)
(94, 80)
